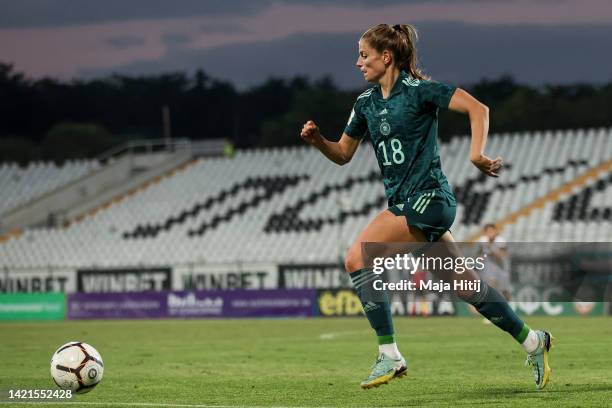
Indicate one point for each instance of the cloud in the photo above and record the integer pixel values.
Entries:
(176, 39)
(60, 13)
(122, 43)
(453, 52)
(56, 13)
(217, 27)
(65, 51)
(249, 64)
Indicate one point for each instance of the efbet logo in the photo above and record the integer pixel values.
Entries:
(340, 303)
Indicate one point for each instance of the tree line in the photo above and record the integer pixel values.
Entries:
(50, 119)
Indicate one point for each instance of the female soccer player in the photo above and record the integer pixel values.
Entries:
(399, 114)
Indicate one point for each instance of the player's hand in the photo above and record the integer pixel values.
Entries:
(488, 166)
(311, 133)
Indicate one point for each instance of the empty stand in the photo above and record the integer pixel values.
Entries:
(293, 205)
(21, 185)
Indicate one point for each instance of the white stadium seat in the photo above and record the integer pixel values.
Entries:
(293, 205)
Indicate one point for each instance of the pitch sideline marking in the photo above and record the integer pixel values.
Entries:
(143, 404)
(333, 335)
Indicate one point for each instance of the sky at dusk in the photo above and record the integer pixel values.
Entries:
(247, 41)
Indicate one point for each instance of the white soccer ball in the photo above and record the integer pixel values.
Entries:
(77, 366)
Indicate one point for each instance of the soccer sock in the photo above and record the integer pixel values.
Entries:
(492, 305)
(391, 350)
(378, 312)
(532, 342)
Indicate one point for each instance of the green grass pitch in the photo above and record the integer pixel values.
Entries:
(314, 362)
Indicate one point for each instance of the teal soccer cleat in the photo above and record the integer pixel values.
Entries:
(384, 370)
(538, 360)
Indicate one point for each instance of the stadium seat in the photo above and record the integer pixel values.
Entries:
(293, 205)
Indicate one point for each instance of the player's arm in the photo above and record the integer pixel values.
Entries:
(340, 152)
(463, 102)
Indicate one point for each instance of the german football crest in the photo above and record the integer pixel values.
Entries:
(385, 128)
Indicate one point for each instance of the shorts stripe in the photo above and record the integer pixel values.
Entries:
(423, 206)
(423, 203)
(427, 203)
(418, 201)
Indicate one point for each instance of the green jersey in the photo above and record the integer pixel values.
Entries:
(403, 130)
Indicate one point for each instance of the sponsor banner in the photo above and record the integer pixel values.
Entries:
(37, 280)
(192, 304)
(313, 276)
(346, 303)
(123, 280)
(32, 306)
(544, 309)
(430, 304)
(275, 303)
(241, 303)
(225, 276)
(195, 304)
(528, 300)
(116, 305)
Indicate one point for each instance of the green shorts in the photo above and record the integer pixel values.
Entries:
(433, 212)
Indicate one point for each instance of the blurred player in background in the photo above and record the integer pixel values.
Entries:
(497, 271)
(399, 115)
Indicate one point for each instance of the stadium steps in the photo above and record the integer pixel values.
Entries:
(553, 196)
(134, 188)
(122, 174)
(22, 185)
(132, 191)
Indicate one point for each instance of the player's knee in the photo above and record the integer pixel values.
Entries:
(353, 261)
(466, 295)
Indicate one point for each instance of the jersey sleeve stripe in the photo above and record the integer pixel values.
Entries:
(411, 82)
(366, 93)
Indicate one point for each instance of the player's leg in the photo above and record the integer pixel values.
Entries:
(489, 302)
(385, 227)
(493, 305)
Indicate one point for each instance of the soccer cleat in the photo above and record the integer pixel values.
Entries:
(384, 370)
(538, 360)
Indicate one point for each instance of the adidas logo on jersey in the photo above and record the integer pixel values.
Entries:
(383, 112)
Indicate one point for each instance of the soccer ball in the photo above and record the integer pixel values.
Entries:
(77, 366)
